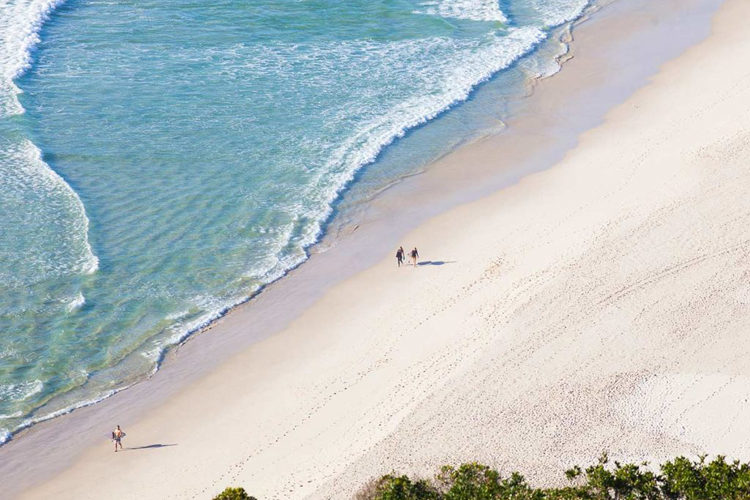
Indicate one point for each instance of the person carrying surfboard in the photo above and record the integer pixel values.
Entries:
(117, 436)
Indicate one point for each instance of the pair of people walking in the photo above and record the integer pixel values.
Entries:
(401, 256)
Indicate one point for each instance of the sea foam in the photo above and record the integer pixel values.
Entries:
(20, 23)
(557, 12)
(21, 391)
(75, 303)
(473, 10)
(56, 236)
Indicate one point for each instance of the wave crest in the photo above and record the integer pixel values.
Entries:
(53, 231)
(20, 24)
(473, 10)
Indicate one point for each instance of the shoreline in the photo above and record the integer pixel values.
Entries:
(331, 232)
(234, 324)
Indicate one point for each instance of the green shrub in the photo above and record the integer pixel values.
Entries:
(391, 487)
(680, 479)
(717, 480)
(234, 494)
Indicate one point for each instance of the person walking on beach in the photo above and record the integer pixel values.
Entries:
(400, 256)
(117, 436)
(414, 256)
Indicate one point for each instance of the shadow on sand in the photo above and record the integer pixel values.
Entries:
(436, 262)
(150, 446)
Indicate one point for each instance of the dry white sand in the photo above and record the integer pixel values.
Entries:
(601, 305)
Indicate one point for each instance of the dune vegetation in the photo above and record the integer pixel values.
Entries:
(677, 479)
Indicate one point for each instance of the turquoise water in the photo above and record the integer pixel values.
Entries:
(161, 161)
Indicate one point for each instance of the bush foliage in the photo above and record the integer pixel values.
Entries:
(678, 479)
(234, 494)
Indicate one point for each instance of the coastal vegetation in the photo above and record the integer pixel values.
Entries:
(677, 479)
(234, 494)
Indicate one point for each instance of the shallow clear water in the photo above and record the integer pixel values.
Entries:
(166, 159)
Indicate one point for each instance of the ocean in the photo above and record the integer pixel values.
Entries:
(160, 162)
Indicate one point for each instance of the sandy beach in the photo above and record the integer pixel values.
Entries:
(601, 304)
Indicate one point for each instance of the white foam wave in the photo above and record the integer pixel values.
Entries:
(4, 435)
(214, 309)
(8, 353)
(64, 411)
(20, 23)
(22, 391)
(473, 10)
(557, 12)
(56, 236)
(76, 303)
(177, 315)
